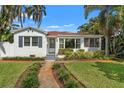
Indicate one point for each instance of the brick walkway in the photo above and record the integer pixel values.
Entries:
(46, 77)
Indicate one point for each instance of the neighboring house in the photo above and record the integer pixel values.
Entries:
(30, 41)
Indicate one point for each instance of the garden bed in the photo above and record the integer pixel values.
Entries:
(65, 78)
(29, 78)
(61, 85)
(23, 59)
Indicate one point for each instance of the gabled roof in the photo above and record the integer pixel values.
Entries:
(26, 28)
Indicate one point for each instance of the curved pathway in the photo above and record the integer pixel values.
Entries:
(46, 77)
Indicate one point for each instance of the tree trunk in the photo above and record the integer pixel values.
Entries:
(107, 32)
(106, 46)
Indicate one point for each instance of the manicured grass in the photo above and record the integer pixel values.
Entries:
(10, 71)
(98, 74)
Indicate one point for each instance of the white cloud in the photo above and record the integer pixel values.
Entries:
(69, 25)
(57, 26)
(66, 27)
(54, 26)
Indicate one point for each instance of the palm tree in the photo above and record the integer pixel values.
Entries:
(117, 42)
(120, 15)
(105, 21)
(10, 12)
(6, 35)
(92, 26)
(84, 27)
(20, 14)
(6, 16)
(37, 12)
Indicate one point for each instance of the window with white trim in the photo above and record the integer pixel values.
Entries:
(61, 43)
(34, 41)
(91, 42)
(26, 41)
(78, 44)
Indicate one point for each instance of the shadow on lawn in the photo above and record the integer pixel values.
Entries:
(112, 71)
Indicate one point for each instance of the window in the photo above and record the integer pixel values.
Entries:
(91, 42)
(96, 42)
(69, 43)
(34, 41)
(77, 43)
(26, 41)
(61, 43)
(20, 41)
(40, 42)
(51, 42)
(86, 42)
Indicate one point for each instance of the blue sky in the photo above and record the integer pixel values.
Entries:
(62, 18)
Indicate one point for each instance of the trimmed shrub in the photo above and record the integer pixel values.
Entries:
(24, 58)
(56, 66)
(81, 50)
(31, 79)
(63, 76)
(88, 55)
(80, 54)
(35, 67)
(63, 51)
(98, 54)
(71, 84)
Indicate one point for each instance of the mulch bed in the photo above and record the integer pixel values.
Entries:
(16, 60)
(85, 60)
(96, 60)
(61, 85)
(20, 79)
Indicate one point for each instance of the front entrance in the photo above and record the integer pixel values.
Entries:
(51, 43)
(51, 48)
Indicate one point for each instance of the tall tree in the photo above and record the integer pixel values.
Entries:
(10, 12)
(37, 12)
(92, 26)
(106, 21)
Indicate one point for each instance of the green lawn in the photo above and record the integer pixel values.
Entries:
(10, 71)
(98, 74)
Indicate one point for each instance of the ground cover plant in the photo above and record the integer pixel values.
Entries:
(24, 58)
(81, 54)
(31, 78)
(64, 77)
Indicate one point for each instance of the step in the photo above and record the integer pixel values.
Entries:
(50, 57)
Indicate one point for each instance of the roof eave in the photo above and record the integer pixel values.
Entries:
(22, 29)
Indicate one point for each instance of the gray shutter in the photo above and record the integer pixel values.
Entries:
(40, 42)
(20, 41)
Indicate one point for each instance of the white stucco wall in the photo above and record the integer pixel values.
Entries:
(6, 49)
(30, 50)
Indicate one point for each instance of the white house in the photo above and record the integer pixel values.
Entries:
(30, 41)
